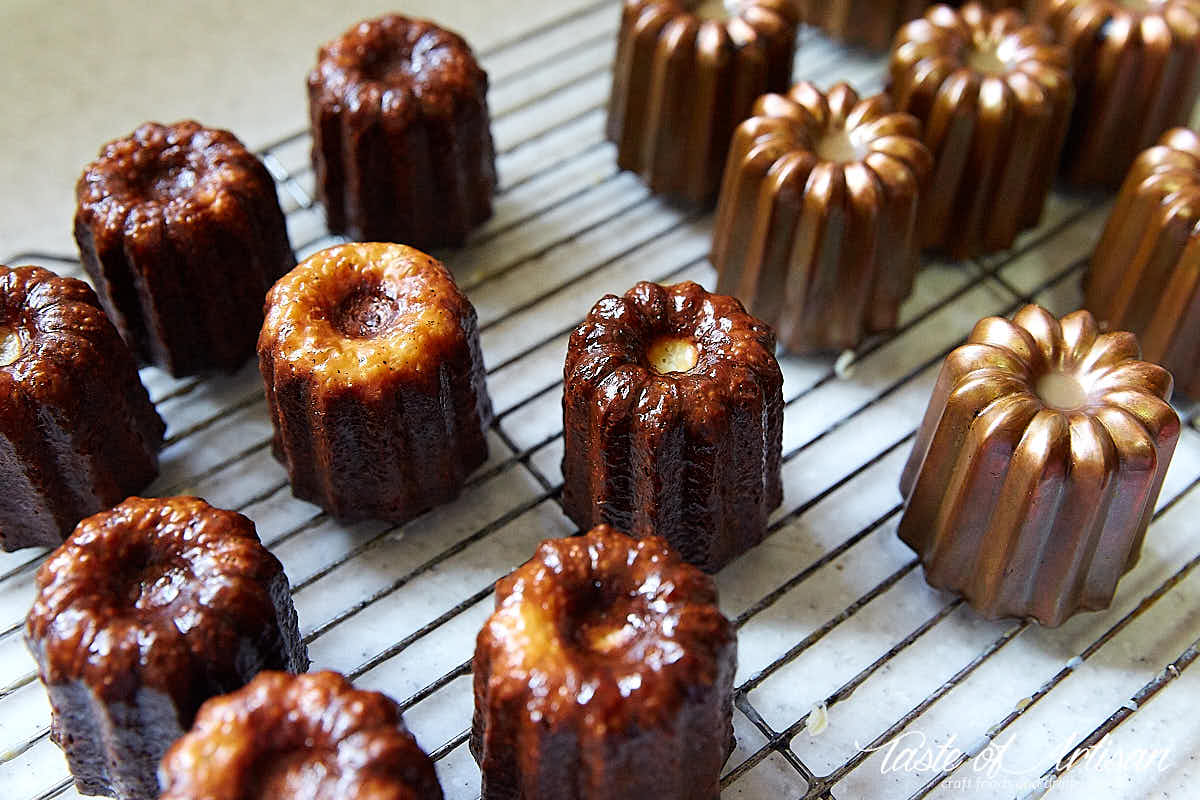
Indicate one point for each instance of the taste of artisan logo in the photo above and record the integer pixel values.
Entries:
(989, 762)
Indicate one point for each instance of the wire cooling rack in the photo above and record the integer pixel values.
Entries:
(856, 680)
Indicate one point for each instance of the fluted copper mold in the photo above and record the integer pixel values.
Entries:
(605, 673)
(402, 145)
(1137, 72)
(994, 95)
(1145, 273)
(684, 78)
(1036, 469)
(375, 381)
(816, 221)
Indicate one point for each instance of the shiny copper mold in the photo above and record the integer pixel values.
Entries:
(285, 736)
(145, 612)
(180, 229)
(1145, 273)
(1036, 469)
(1137, 71)
(78, 432)
(994, 95)
(375, 381)
(682, 83)
(815, 228)
(689, 452)
(605, 673)
(402, 144)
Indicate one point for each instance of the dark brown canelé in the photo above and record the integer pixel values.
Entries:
(145, 612)
(180, 229)
(402, 145)
(375, 381)
(1035, 472)
(77, 430)
(673, 421)
(686, 73)
(285, 736)
(994, 96)
(605, 673)
(1137, 71)
(1145, 273)
(849, 170)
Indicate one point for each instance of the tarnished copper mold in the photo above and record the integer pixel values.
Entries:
(1145, 273)
(816, 221)
(1137, 74)
(1036, 469)
(605, 673)
(994, 95)
(686, 73)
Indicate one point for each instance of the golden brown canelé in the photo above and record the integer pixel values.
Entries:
(299, 736)
(375, 381)
(673, 421)
(402, 144)
(815, 229)
(1145, 273)
(871, 23)
(1036, 469)
(686, 73)
(145, 612)
(180, 228)
(605, 673)
(1137, 73)
(994, 96)
(78, 432)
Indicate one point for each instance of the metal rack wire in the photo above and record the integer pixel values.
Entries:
(834, 619)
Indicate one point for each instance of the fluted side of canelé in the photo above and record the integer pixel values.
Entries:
(181, 231)
(691, 456)
(145, 612)
(994, 96)
(403, 152)
(647, 713)
(1137, 74)
(821, 245)
(1145, 273)
(78, 432)
(1029, 509)
(867, 23)
(381, 426)
(682, 84)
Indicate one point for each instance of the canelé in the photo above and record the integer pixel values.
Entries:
(375, 381)
(815, 227)
(298, 736)
(673, 421)
(1145, 273)
(179, 227)
(994, 95)
(77, 430)
(402, 145)
(686, 73)
(1036, 469)
(145, 612)
(605, 673)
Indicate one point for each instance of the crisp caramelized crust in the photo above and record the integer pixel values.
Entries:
(1036, 470)
(688, 450)
(375, 381)
(1137, 70)
(686, 73)
(995, 96)
(606, 671)
(1145, 273)
(77, 430)
(146, 611)
(401, 140)
(298, 736)
(815, 225)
